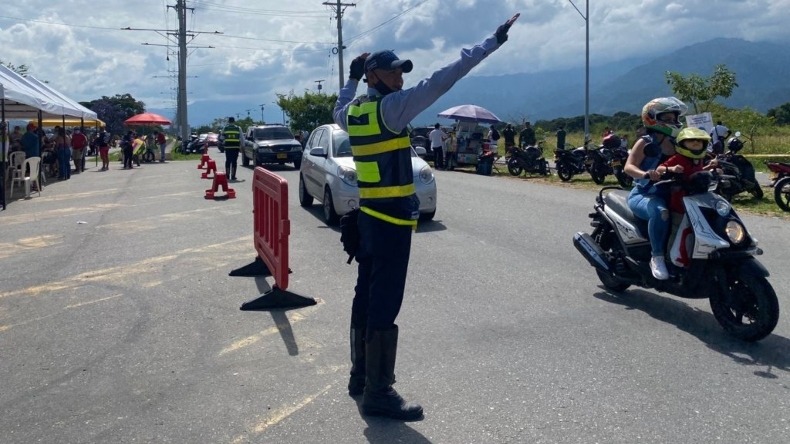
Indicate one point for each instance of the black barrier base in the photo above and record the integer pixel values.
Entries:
(277, 299)
(256, 268)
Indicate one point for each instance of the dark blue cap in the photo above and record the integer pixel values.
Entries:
(386, 60)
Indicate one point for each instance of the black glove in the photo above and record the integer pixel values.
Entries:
(501, 32)
(357, 69)
(349, 233)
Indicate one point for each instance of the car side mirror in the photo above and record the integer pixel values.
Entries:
(318, 151)
(420, 150)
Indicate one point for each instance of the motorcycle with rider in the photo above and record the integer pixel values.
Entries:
(712, 253)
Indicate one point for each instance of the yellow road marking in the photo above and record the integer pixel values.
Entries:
(94, 302)
(8, 249)
(116, 274)
(249, 340)
(279, 415)
(29, 321)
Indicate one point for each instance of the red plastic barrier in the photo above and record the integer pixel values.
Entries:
(271, 226)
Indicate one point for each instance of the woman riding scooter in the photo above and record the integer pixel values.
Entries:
(661, 117)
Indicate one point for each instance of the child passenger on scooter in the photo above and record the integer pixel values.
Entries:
(690, 150)
(688, 161)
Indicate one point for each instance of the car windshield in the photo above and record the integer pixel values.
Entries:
(341, 146)
(420, 132)
(280, 133)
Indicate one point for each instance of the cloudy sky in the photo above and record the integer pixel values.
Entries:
(268, 47)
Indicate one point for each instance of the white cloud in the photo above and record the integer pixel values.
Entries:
(277, 47)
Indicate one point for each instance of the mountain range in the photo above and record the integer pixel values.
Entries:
(761, 70)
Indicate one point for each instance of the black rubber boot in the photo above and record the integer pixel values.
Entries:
(356, 384)
(380, 399)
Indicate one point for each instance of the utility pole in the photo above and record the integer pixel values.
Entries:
(183, 122)
(262, 106)
(339, 8)
(319, 84)
(181, 34)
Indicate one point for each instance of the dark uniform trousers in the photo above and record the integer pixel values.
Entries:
(383, 262)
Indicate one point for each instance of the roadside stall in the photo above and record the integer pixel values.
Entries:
(469, 141)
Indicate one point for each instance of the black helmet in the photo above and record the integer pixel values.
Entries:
(735, 145)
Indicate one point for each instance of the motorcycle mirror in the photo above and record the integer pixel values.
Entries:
(737, 134)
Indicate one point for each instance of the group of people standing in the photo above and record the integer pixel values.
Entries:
(64, 147)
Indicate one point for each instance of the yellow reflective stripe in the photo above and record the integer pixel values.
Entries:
(372, 128)
(388, 218)
(384, 192)
(368, 172)
(380, 147)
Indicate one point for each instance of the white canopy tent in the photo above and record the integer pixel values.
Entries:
(52, 92)
(19, 99)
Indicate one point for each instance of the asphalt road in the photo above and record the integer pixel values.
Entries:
(119, 324)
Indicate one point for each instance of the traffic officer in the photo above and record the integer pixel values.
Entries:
(389, 208)
(230, 137)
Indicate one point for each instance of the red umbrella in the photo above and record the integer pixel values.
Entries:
(147, 119)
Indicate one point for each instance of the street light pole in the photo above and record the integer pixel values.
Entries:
(586, 17)
(262, 120)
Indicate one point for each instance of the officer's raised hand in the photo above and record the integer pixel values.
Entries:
(357, 69)
(501, 32)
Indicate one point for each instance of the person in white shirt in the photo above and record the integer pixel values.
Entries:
(437, 138)
(717, 136)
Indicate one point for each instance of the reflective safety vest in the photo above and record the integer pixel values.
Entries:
(231, 136)
(383, 161)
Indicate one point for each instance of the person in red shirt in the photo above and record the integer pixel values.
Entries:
(690, 150)
(688, 160)
(78, 144)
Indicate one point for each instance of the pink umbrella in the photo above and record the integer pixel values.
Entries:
(146, 119)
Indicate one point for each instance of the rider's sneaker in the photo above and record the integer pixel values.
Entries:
(658, 268)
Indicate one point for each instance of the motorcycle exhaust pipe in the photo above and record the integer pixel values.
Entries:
(591, 251)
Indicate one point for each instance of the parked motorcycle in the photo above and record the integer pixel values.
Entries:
(571, 162)
(781, 183)
(742, 171)
(721, 251)
(617, 163)
(529, 160)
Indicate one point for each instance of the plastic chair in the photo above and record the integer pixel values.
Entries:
(16, 160)
(32, 165)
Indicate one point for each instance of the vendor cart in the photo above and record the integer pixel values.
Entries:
(469, 140)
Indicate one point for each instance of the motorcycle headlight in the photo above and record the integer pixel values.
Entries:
(735, 232)
(426, 174)
(723, 207)
(347, 175)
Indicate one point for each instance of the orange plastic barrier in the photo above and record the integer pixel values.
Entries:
(203, 161)
(220, 181)
(271, 229)
(210, 168)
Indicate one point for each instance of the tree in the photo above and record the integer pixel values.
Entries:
(115, 110)
(780, 114)
(309, 111)
(700, 91)
(22, 70)
(749, 122)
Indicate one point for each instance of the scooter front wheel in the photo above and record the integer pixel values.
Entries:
(747, 308)
(148, 157)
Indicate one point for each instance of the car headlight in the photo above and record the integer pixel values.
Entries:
(426, 174)
(735, 232)
(723, 207)
(347, 175)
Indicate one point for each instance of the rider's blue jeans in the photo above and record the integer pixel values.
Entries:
(655, 211)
